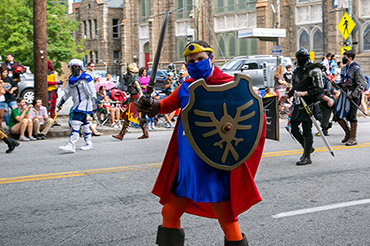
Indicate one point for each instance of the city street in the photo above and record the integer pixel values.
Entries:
(103, 196)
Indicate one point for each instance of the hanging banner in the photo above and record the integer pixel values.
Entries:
(271, 110)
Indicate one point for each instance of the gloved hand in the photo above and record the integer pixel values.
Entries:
(60, 104)
(148, 106)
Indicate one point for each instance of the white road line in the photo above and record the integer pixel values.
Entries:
(322, 208)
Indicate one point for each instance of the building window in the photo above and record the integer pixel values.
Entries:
(91, 57)
(229, 6)
(116, 57)
(366, 38)
(90, 29)
(115, 28)
(318, 41)
(85, 29)
(144, 9)
(96, 57)
(95, 28)
(185, 7)
(180, 45)
(220, 50)
(231, 44)
(304, 41)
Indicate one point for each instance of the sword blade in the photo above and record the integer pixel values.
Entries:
(151, 83)
(322, 135)
(312, 117)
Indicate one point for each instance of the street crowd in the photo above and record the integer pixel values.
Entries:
(32, 122)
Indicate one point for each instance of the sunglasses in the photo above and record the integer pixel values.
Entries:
(92, 66)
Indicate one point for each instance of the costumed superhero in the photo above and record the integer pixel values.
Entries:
(14, 68)
(352, 83)
(308, 84)
(9, 141)
(131, 83)
(185, 182)
(81, 88)
(52, 91)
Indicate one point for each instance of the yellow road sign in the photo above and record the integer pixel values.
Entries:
(312, 56)
(346, 25)
(344, 49)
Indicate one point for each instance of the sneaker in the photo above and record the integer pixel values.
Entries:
(67, 149)
(42, 137)
(38, 137)
(167, 125)
(32, 138)
(24, 138)
(87, 147)
(56, 123)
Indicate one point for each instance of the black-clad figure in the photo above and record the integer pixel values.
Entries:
(307, 84)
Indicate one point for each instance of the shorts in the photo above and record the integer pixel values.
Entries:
(12, 104)
(4, 105)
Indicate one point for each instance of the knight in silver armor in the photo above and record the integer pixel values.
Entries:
(81, 88)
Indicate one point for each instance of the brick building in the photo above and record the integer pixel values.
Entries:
(219, 22)
(100, 27)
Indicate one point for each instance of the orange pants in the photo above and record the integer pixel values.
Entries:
(176, 206)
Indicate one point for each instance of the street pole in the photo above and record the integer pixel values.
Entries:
(323, 28)
(40, 64)
(349, 39)
(278, 18)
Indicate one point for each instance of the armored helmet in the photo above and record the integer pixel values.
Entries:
(76, 62)
(302, 56)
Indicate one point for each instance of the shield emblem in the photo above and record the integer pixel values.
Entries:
(223, 123)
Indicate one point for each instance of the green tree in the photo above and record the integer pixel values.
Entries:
(16, 36)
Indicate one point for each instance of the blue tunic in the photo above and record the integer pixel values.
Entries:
(196, 179)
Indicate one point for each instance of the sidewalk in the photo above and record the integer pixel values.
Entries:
(64, 130)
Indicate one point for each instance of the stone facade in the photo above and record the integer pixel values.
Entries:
(97, 19)
(303, 21)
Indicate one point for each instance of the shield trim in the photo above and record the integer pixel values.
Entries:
(218, 88)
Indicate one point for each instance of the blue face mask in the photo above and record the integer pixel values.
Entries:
(199, 70)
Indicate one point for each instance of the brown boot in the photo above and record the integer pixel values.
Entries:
(352, 137)
(345, 127)
(123, 131)
(145, 132)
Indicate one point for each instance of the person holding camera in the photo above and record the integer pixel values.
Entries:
(20, 121)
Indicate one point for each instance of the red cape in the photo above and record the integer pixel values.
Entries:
(243, 190)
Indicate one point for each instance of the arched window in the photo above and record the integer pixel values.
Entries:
(180, 45)
(243, 46)
(304, 41)
(318, 41)
(366, 38)
(221, 46)
(231, 44)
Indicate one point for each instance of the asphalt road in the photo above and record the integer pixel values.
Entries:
(103, 196)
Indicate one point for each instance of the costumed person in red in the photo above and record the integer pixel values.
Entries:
(52, 91)
(185, 182)
(130, 82)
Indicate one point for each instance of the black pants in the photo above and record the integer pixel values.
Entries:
(326, 113)
(307, 130)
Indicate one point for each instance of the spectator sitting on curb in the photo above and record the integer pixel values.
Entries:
(269, 93)
(41, 121)
(20, 121)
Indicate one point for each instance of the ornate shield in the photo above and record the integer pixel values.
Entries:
(223, 123)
